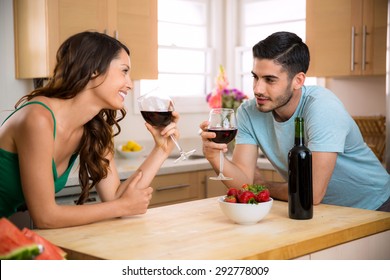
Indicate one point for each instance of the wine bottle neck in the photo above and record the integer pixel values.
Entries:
(299, 132)
(299, 141)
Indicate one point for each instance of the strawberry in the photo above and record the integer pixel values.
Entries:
(263, 196)
(248, 193)
(247, 197)
(232, 192)
(231, 199)
(255, 188)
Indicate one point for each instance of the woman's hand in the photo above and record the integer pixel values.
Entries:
(135, 199)
(162, 135)
(210, 149)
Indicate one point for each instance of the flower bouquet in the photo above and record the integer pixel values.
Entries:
(222, 96)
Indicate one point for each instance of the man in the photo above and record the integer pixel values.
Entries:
(345, 170)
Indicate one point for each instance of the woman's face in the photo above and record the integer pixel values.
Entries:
(115, 85)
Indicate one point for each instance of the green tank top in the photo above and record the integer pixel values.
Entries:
(11, 194)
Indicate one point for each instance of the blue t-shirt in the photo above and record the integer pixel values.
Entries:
(358, 180)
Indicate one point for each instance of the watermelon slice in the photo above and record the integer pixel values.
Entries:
(50, 251)
(14, 245)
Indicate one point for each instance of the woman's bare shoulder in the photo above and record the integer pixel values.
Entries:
(35, 116)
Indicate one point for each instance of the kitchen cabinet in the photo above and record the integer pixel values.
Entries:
(272, 175)
(42, 25)
(373, 247)
(212, 188)
(215, 188)
(346, 37)
(186, 186)
(174, 188)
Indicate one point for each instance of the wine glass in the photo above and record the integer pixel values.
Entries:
(222, 122)
(156, 109)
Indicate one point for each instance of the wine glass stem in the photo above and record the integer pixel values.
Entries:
(176, 143)
(221, 162)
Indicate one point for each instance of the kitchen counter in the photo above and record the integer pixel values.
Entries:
(175, 182)
(126, 167)
(199, 230)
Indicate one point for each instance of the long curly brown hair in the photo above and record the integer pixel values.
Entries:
(81, 58)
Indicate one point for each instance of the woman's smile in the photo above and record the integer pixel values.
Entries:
(122, 94)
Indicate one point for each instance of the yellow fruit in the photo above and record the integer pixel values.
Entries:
(131, 146)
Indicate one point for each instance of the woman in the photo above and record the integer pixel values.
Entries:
(75, 114)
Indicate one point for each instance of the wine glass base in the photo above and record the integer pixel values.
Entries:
(185, 155)
(220, 178)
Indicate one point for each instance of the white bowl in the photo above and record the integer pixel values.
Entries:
(129, 154)
(245, 214)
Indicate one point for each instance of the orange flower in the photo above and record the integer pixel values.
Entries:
(215, 100)
(222, 96)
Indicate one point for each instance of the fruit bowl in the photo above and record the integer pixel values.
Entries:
(245, 214)
(129, 154)
(130, 150)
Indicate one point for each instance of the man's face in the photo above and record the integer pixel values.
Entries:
(271, 85)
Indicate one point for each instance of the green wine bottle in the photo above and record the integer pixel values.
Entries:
(300, 182)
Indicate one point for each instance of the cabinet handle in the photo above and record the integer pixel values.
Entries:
(159, 189)
(206, 186)
(353, 49)
(364, 33)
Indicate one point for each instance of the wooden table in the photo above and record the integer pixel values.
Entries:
(199, 230)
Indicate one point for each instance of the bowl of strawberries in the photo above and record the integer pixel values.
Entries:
(247, 205)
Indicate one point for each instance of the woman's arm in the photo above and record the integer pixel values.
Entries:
(35, 147)
(111, 188)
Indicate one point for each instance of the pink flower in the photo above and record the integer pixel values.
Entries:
(222, 81)
(214, 99)
(222, 96)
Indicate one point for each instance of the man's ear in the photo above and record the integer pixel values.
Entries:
(299, 80)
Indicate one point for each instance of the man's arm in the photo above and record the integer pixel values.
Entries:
(323, 164)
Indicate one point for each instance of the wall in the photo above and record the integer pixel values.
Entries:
(361, 96)
(10, 89)
(387, 155)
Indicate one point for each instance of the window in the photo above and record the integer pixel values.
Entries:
(258, 19)
(195, 36)
(184, 53)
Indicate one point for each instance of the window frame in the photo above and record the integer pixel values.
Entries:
(190, 103)
(225, 25)
(240, 74)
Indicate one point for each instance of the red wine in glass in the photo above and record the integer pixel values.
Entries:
(223, 135)
(222, 121)
(155, 118)
(156, 109)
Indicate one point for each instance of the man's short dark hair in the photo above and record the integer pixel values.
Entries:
(286, 49)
